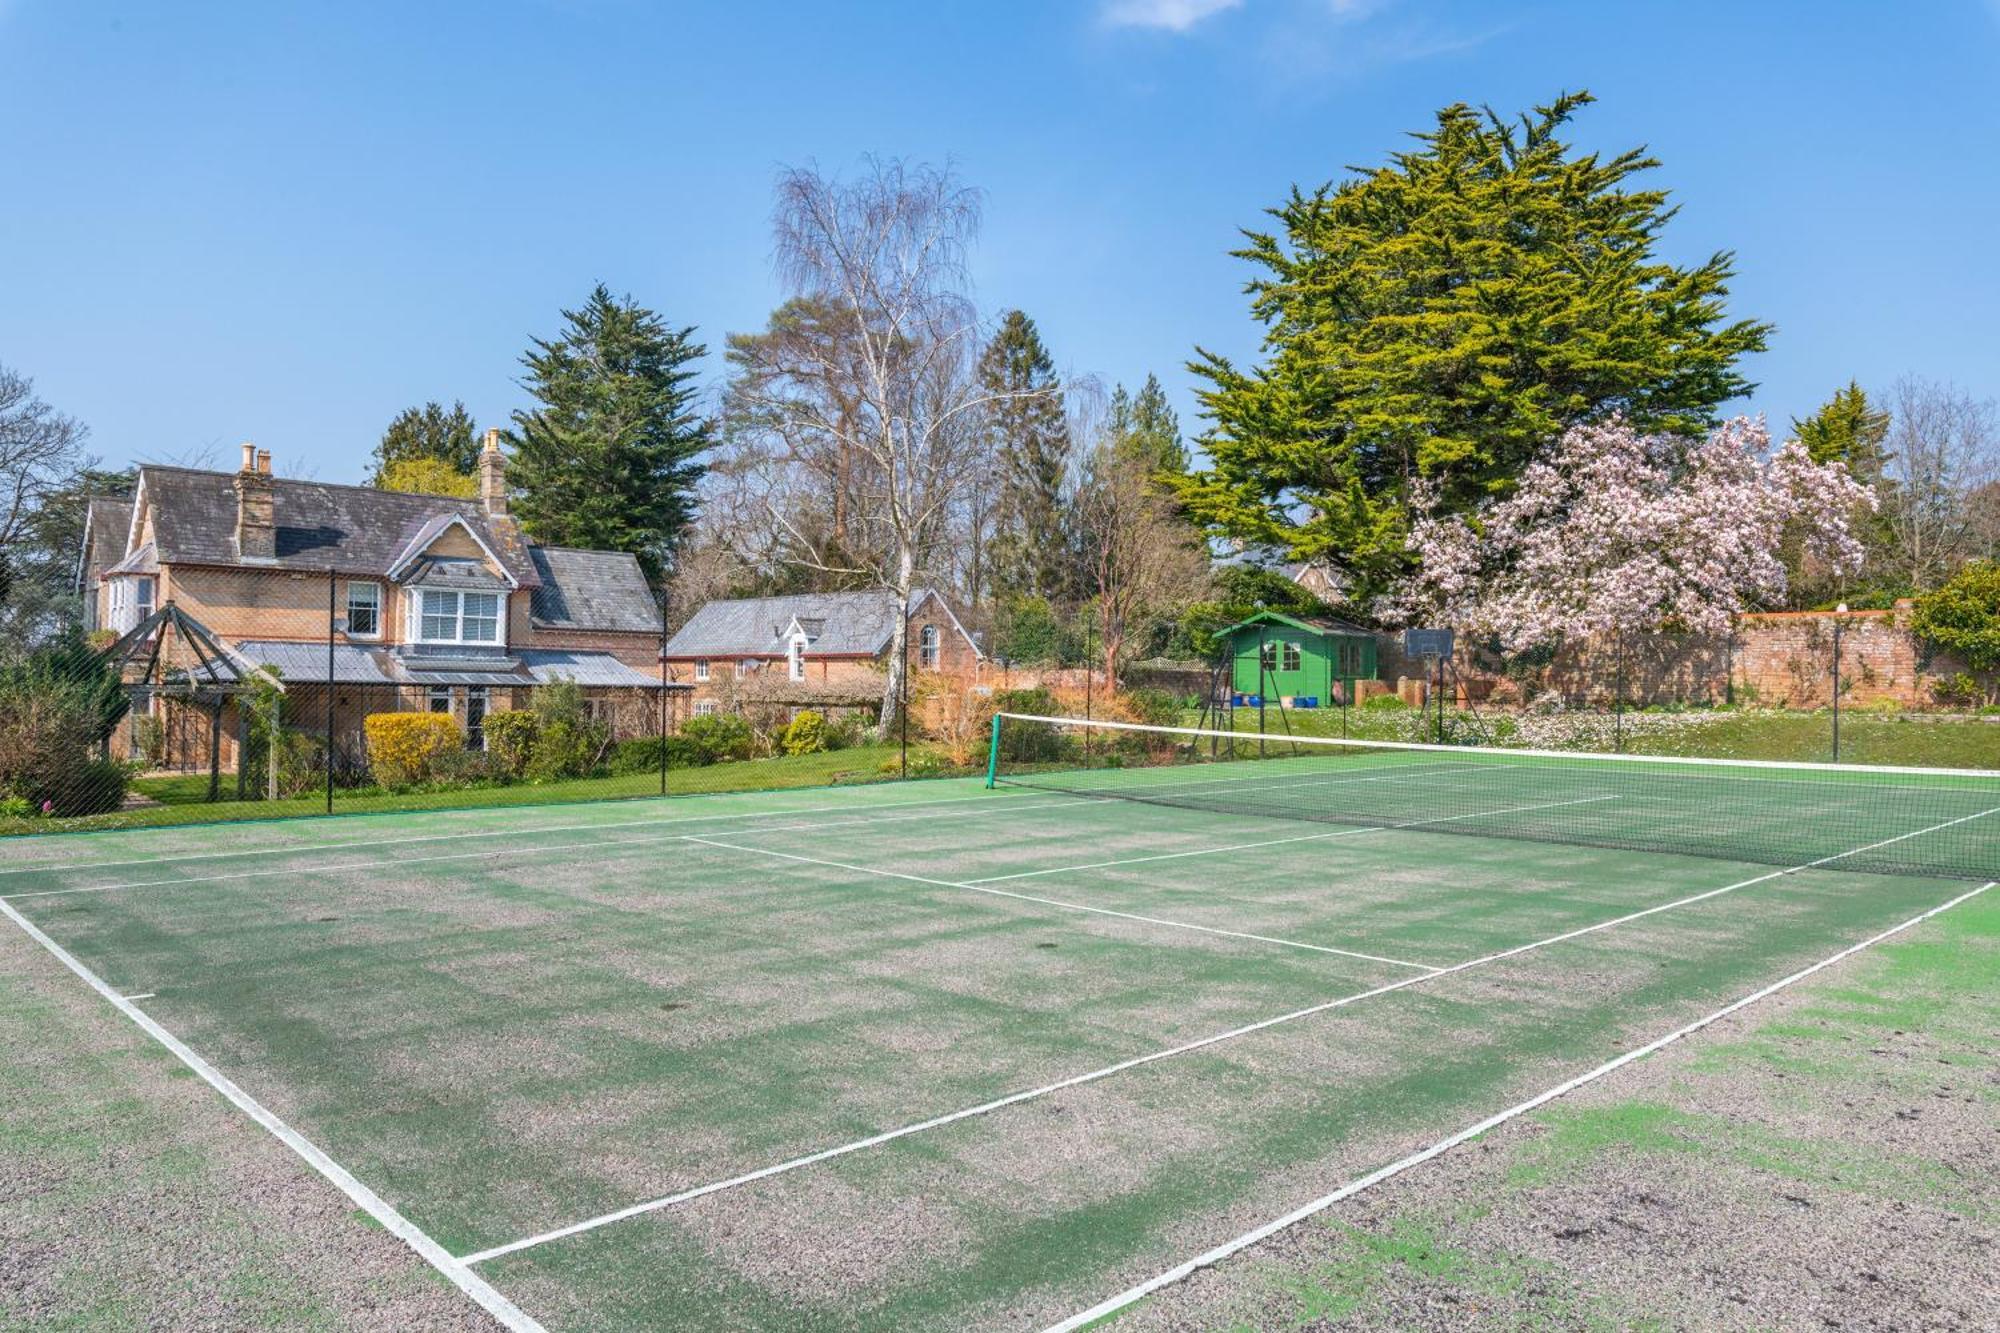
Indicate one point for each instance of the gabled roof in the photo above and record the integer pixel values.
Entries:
(416, 549)
(1311, 624)
(852, 624)
(107, 525)
(355, 529)
(591, 590)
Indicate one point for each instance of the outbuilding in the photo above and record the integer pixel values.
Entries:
(1302, 662)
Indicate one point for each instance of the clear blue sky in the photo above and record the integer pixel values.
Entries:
(284, 222)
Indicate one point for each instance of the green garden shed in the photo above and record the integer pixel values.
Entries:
(1313, 662)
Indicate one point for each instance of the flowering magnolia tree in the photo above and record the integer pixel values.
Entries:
(1613, 531)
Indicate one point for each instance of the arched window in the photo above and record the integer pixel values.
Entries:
(927, 648)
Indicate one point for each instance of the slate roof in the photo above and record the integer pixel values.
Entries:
(356, 665)
(356, 529)
(851, 623)
(596, 590)
(106, 525)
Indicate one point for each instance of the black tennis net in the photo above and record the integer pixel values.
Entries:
(1902, 821)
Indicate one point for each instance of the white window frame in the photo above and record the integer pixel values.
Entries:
(701, 668)
(475, 727)
(929, 648)
(353, 585)
(143, 594)
(439, 694)
(421, 612)
(1267, 655)
(744, 666)
(704, 708)
(1292, 657)
(795, 657)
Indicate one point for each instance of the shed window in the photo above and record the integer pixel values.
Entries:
(1293, 658)
(1267, 656)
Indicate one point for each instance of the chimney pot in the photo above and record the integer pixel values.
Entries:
(493, 440)
(264, 461)
(256, 528)
(493, 475)
(249, 457)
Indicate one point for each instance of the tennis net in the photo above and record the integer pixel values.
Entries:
(1904, 821)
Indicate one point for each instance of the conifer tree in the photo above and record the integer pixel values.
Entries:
(1031, 554)
(430, 431)
(1146, 426)
(1847, 429)
(610, 458)
(1442, 318)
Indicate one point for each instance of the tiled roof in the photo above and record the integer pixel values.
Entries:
(357, 665)
(852, 623)
(356, 529)
(106, 524)
(591, 590)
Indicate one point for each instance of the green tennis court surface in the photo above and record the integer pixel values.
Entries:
(933, 1056)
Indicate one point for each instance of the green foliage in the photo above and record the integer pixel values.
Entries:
(1241, 592)
(149, 740)
(1029, 742)
(1847, 429)
(1028, 631)
(57, 708)
(566, 742)
(427, 476)
(1441, 318)
(642, 755)
(1029, 439)
(430, 433)
(510, 740)
(1145, 427)
(610, 458)
(1384, 703)
(1155, 707)
(720, 737)
(1962, 616)
(805, 734)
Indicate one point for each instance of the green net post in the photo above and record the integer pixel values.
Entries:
(993, 754)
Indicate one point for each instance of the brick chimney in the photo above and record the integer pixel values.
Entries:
(256, 532)
(493, 475)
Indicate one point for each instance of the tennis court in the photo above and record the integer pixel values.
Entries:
(938, 1055)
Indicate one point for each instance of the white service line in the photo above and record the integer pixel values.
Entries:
(985, 1108)
(1104, 1309)
(1066, 906)
(455, 1271)
(363, 844)
(484, 852)
(1277, 842)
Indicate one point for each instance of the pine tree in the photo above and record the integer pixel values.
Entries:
(611, 457)
(429, 431)
(1441, 319)
(1031, 553)
(1146, 427)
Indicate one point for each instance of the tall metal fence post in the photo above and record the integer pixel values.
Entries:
(1618, 700)
(1839, 618)
(903, 700)
(1089, 649)
(331, 613)
(663, 691)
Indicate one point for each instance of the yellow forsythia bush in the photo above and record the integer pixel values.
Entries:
(405, 749)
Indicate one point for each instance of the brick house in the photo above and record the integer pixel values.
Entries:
(824, 651)
(436, 603)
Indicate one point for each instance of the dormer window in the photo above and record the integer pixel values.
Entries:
(795, 656)
(458, 617)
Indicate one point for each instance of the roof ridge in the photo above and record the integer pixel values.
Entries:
(313, 481)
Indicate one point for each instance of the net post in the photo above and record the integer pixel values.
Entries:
(331, 615)
(993, 755)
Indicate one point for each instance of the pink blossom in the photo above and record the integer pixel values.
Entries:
(1615, 531)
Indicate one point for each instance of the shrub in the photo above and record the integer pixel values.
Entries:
(57, 707)
(1155, 707)
(93, 787)
(805, 734)
(720, 737)
(149, 739)
(510, 740)
(1030, 742)
(642, 755)
(405, 749)
(1383, 703)
(1962, 616)
(567, 743)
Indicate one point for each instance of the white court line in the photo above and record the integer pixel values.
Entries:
(1076, 1080)
(1276, 842)
(370, 845)
(455, 1271)
(1353, 1187)
(1055, 902)
(147, 996)
(484, 852)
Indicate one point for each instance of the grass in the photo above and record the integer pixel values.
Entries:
(1907, 739)
(183, 798)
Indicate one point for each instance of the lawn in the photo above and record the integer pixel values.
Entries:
(183, 798)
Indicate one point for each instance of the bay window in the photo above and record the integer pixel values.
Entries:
(457, 617)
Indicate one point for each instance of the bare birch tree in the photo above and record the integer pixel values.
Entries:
(883, 405)
(1944, 448)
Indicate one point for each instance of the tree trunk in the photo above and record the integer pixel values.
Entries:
(899, 643)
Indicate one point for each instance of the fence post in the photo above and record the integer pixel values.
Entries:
(1839, 617)
(663, 691)
(1089, 649)
(903, 700)
(330, 618)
